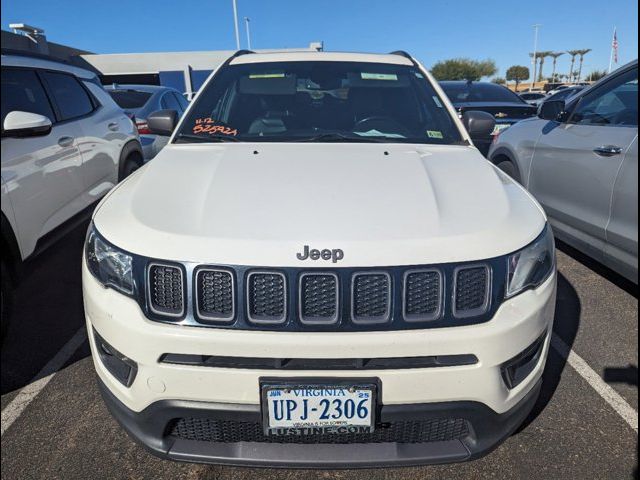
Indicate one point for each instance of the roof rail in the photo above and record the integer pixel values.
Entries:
(241, 52)
(402, 53)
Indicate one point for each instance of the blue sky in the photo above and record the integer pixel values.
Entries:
(430, 30)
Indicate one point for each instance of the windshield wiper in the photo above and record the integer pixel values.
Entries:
(339, 137)
(187, 138)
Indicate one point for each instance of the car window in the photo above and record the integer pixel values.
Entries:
(466, 92)
(22, 91)
(181, 101)
(70, 97)
(320, 101)
(129, 99)
(613, 104)
(168, 101)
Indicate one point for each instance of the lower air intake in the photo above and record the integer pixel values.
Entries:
(232, 431)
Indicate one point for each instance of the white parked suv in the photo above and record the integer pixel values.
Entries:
(319, 270)
(65, 143)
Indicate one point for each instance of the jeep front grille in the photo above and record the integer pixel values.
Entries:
(338, 299)
(267, 297)
(166, 290)
(214, 294)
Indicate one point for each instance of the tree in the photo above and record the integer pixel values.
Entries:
(596, 75)
(574, 54)
(582, 53)
(517, 73)
(542, 56)
(463, 69)
(555, 56)
(499, 80)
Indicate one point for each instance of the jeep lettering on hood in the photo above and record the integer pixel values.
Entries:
(334, 254)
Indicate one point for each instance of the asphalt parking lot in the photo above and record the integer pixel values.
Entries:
(65, 431)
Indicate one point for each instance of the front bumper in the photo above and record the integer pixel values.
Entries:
(477, 392)
(487, 430)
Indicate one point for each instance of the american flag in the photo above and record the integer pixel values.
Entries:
(615, 45)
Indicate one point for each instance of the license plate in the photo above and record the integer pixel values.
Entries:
(498, 128)
(318, 409)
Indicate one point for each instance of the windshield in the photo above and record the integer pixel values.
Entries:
(319, 101)
(464, 92)
(128, 99)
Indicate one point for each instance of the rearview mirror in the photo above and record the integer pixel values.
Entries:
(162, 122)
(478, 123)
(25, 124)
(551, 110)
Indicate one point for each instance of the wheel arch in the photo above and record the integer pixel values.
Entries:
(132, 147)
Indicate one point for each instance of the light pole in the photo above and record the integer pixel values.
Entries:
(535, 54)
(246, 23)
(235, 24)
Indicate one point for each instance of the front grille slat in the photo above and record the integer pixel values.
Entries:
(267, 297)
(233, 431)
(471, 291)
(371, 297)
(422, 295)
(214, 294)
(166, 290)
(318, 298)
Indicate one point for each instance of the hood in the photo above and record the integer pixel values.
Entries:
(260, 204)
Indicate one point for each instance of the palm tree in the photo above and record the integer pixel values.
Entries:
(582, 53)
(574, 54)
(542, 55)
(555, 56)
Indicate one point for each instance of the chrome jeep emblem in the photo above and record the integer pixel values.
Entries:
(335, 254)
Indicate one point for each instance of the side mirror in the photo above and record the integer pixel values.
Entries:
(25, 124)
(478, 123)
(162, 122)
(551, 110)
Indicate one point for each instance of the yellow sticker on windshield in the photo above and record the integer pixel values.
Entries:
(266, 75)
(434, 134)
(378, 76)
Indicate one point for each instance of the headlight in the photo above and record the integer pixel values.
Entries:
(111, 266)
(532, 265)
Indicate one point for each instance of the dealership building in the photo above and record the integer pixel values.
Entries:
(184, 71)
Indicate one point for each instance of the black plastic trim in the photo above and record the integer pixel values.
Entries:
(488, 430)
(518, 368)
(263, 363)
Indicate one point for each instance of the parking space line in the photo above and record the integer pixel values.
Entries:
(613, 398)
(15, 408)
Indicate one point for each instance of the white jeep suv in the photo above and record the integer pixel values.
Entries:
(65, 143)
(319, 270)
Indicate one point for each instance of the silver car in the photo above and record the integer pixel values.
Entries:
(138, 101)
(580, 160)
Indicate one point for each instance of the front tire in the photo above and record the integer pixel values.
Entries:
(132, 163)
(510, 169)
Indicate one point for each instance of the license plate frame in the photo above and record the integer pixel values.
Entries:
(267, 384)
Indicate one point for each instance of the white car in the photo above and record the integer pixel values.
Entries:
(319, 270)
(65, 143)
(579, 158)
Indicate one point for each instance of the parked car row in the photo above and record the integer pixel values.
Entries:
(562, 92)
(506, 107)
